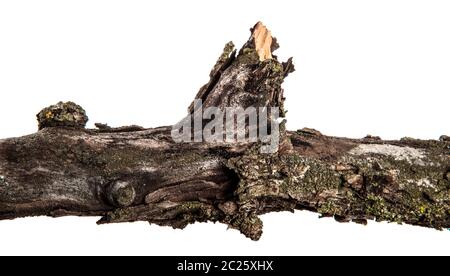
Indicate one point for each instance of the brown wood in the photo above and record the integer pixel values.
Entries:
(134, 174)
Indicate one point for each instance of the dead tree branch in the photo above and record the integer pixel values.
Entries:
(133, 174)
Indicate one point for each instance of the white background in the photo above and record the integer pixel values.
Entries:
(363, 67)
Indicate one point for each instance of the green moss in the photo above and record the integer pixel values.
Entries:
(274, 66)
(195, 211)
(389, 190)
(120, 215)
(190, 206)
(248, 56)
(289, 176)
(227, 51)
(401, 191)
(329, 208)
(118, 160)
(223, 60)
(377, 206)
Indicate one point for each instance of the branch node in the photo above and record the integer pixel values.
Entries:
(121, 194)
(62, 114)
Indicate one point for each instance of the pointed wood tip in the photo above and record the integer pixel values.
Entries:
(263, 41)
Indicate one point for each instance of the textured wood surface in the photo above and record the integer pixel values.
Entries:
(134, 174)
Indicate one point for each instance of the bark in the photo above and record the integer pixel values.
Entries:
(134, 174)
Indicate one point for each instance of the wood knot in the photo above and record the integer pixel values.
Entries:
(62, 114)
(121, 194)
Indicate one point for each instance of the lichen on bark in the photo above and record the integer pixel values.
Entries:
(62, 114)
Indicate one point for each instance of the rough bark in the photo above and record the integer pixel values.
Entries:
(133, 174)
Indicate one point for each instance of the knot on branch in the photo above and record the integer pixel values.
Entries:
(62, 114)
(121, 194)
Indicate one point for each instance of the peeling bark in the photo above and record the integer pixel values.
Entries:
(134, 174)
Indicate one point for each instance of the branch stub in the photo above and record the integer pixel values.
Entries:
(62, 114)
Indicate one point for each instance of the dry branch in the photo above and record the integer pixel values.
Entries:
(133, 174)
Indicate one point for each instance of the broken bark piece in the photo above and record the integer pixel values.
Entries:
(263, 41)
(133, 174)
(445, 138)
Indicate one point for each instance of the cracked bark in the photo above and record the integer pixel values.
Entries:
(134, 174)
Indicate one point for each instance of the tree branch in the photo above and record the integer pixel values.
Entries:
(133, 174)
